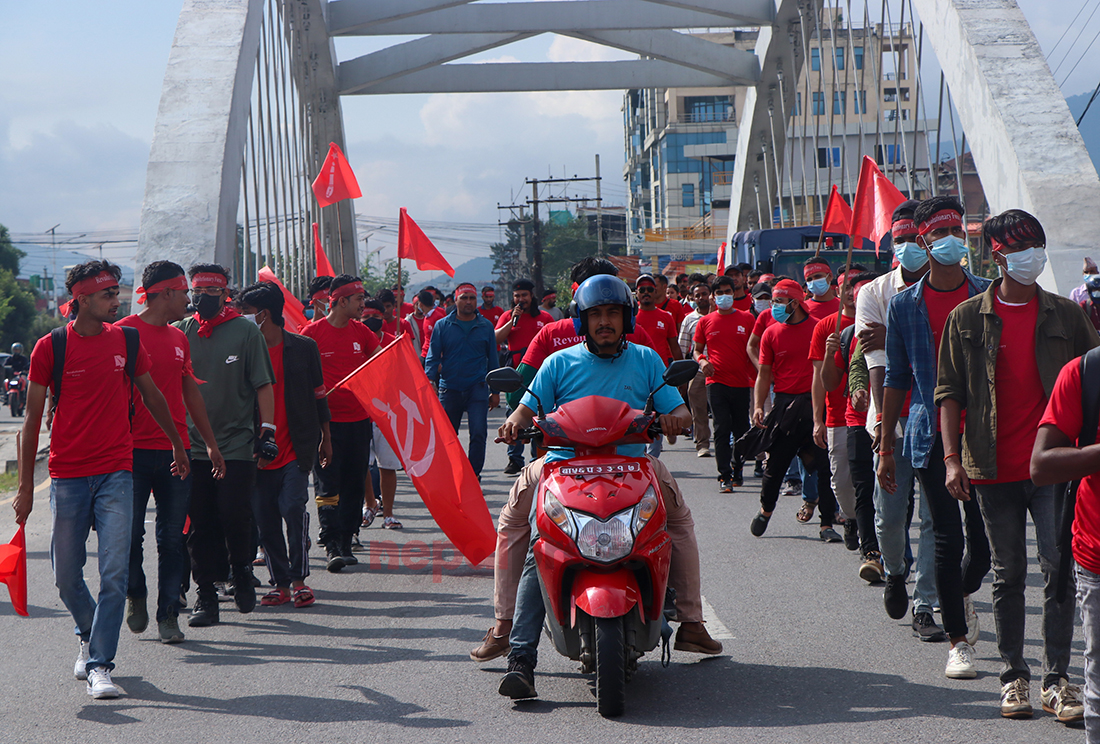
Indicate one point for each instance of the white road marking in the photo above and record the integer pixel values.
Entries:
(717, 629)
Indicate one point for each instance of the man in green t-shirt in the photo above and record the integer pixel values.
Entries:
(229, 355)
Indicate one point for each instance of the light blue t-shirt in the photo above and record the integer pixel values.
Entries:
(576, 373)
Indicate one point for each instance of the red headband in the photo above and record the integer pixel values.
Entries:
(997, 245)
(321, 294)
(903, 227)
(200, 281)
(347, 290)
(371, 312)
(102, 280)
(788, 289)
(815, 267)
(465, 288)
(176, 282)
(942, 218)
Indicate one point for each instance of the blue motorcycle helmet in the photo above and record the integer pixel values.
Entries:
(602, 289)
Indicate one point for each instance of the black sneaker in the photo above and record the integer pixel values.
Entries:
(725, 485)
(244, 591)
(925, 628)
(519, 682)
(829, 535)
(335, 560)
(514, 467)
(205, 612)
(851, 535)
(738, 478)
(895, 597)
(759, 524)
(758, 471)
(346, 554)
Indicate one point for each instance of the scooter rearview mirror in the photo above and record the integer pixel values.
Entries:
(681, 372)
(504, 380)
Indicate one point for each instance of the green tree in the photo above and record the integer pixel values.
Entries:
(373, 282)
(9, 254)
(17, 312)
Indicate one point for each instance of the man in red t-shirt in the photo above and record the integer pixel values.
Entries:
(823, 301)
(831, 429)
(164, 294)
(721, 349)
(91, 459)
(785, 361)
(518, 328)
(741, 298)
(391, 322)
(318, 296)
(345, 344)
(488, 310)
(1001, 372)
(669, 304)
(302, 432)
(660, 325)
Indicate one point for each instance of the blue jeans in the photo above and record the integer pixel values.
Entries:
(153, 471)
(1088, 599)
(529, 615)
(474, 402)
(107, 501)
(893, 515)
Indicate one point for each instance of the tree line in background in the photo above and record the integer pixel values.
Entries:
(566, 239)
(19, 320)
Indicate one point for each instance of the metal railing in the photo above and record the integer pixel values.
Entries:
(706, 232)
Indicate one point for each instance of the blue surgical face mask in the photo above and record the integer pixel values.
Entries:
(911, 256)
(949, 251)
(819, 286)
(780, 312)
(723, 301)
(1025, 266)
(1085, 277)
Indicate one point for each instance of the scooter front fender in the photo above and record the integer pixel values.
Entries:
(605, 594)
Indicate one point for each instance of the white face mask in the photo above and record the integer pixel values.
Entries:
(761, 305)
(1025, 266)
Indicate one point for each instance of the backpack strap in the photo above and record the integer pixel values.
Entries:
(846, 338)
(58, 338)
(1090, 397)
(133, 348)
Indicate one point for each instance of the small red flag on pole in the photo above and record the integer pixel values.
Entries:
(394, 390)
(838, 215)
(324, 268)
(413, 243)
(13, 571)
(336, 181)
(293, 311)
(874, 204)
(722, 258)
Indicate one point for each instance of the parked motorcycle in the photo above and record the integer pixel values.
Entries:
(602, 551)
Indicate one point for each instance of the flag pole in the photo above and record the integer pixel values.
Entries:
(847, 270)
(340, 237)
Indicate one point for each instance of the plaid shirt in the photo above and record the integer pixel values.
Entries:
(911, 358)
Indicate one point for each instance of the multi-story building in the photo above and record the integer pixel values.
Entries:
(857, 95)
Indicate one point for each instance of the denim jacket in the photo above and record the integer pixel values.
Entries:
(911, 363)
(968, 364)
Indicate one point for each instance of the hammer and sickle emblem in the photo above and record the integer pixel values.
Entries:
(413, 466)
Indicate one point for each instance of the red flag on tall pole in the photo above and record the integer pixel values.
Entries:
(293, 311)
(838, 215)
(324, 268)
(874, 204)
(722, 258)
(413, 243)
(13, 571)
(400, 401)
(336, 181)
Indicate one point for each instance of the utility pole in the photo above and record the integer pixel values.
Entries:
(53, 251)
(536, 240)
(599, 211)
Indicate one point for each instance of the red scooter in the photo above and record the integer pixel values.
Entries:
(602, 551)
(17, 393)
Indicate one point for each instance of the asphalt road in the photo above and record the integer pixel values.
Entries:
(810, 655)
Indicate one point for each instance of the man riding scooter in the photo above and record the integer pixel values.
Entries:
(16, 368)
(605, 365)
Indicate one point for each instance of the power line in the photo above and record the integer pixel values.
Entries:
(1066, 31)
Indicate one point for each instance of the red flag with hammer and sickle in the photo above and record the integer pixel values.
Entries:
(395, 391)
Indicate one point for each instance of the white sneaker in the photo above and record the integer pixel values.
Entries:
(100, 685)
(972, 628)
(960, 662)
(81, 660)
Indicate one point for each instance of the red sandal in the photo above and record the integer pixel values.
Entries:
(276, 596)
(303, 597)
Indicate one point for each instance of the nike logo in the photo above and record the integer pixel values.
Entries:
(230, 359)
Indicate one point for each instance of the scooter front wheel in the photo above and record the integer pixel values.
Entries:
(610, 666)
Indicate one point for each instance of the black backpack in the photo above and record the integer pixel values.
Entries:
(59, 337)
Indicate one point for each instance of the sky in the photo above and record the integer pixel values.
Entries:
(80, 84)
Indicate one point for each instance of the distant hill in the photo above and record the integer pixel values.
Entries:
(1090, 125)
(478, 271)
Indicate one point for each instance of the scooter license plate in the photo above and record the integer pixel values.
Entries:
(626, 467)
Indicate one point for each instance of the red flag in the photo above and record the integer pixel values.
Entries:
(401, 403)
(293, 310)
(838, 215)
(336, 181)
(722, 258)
(874, 205)
(413, 243)
(324, 268)
(13, 571)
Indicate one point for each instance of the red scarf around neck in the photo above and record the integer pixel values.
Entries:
(206, 327)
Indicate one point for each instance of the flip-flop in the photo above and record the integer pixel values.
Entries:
(275, 597)
(390, 523)
(303, 597)
(368, 516)
(806, 511)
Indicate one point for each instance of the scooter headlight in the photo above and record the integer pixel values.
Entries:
(644, 511)
(558, 514)
(608, 541)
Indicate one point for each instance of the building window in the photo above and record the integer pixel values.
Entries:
(840, 102)
(860, 101)
(857, 54)
(708, 108)
(797, 104)
(819, 104)
(887, 154)
(827, 157)
(688, 199)
(839, 54)
(892, 115)
(815, 60)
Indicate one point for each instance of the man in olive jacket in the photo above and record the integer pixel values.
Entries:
(1001, 354)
